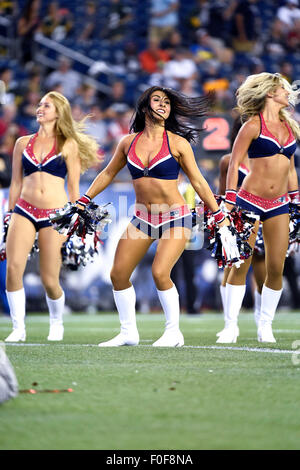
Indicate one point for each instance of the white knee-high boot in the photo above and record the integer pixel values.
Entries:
(269, 302)
(223, 298)
(56, 310)
(257, 306)
(17, 307)
(125, 302)
(234, 300)
(172, 336)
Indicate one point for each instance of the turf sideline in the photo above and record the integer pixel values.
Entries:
(229, 348)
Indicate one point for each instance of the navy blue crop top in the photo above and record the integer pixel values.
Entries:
(52, 163)
(266, 144)
(162, 166)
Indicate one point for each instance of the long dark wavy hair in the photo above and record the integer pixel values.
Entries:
(185, 112)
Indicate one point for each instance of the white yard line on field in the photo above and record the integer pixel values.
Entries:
(229, 348)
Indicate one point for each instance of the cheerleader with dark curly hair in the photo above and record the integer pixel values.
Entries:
(155, 150)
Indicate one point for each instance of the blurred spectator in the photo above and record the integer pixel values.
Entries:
(5, 170)
(89, 31)
(9, 139)
(69, 79)
(127, 59)
(86, 97)
(28, 25)
(286, 69)
(5, 178)
(220, 13)
(96, 125)
(163, 18)
(172, 42)
(33, 82)
(77, 112)
(118, 21)
(274, 40)
(116, 112)
(287, 14)
(7, 8)
(197, 18)
(117, 128)
(119, 125)
(117, 98)
(211, 73)
(213, 80)
(30, 104)
(207, 48)
(153, 57)
(10, 129)
(58, 23)
(190, 87)
(180, 68)
(27, 111)
(202, 49)
(11, 85)
(292, 42)
(245, 30)
(214, 16)
(257, 65)
(7, 118)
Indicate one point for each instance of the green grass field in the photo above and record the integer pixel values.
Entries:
(201, 396)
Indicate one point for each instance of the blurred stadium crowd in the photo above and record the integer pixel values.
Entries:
(102, 54)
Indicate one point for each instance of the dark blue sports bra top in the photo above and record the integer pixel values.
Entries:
(266, 144)
(162, 166)
(52, 163)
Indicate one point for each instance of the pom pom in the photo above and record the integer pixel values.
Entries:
(6, 221)
(241, 226)
(294, 229)
(78, 251)
(259, 247)
(294, 196)
(70, 219)
(83, 229)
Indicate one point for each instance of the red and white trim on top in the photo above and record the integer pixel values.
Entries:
(29, 153)
(266, 134)
(163, 155)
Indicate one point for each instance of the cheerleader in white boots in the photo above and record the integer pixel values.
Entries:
(41, 162)
(258, 260)
(154, 152)
(269, 137)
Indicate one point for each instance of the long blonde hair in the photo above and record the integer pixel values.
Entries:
(66, 128)
(252, 94)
